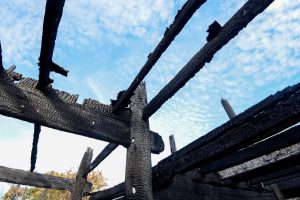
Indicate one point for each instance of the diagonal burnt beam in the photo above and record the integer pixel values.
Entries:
(53, 14)
(182, 17)
(36, 135)
(1, 63)
(239, 20)
(103, 154)
(56, 110)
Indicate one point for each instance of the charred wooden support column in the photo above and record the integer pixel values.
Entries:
(172, 144)
(1, 63)
(81, 179)
(138, 178)
(227, 107)
(36, 135)
(53, 14)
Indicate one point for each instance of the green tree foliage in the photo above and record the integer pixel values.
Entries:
(16, 192)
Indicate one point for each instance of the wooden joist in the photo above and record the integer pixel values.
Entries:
(138, 176)
(239, 20)
(36, 135)
(282, 140)
(103, 154)
(25, 102)
(22, 177)
(180, 20)
(53, 14)
(267, 118)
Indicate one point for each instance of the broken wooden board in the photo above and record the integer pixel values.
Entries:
(59, 110)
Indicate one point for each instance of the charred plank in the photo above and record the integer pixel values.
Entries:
(180, 20)
(240, 20)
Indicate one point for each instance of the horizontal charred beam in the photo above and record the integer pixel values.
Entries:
(180, 20)
(267, 118)
(22, 177)
(26, 103)
(53, 14)
(240, 20)
(287, 138)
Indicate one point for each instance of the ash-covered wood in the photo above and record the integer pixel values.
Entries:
(267, 118)
(21, 177)
(53, 14)
(81, 178)
(36, 135)
(138, 177)
(103, 154)
(239, 21)
(179, 22)
(282, 140)
(227, 107)
(1, 62)
(23, 101)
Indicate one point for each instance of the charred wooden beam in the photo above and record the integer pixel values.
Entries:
(180, 20)
(290, 188)
(14, 75)
(36, 135)
(81, 178)
(240, 20)
(267, 118)
(1, 62)
(227, 107)
(138, 177)
(103, 154)
(279, 176)
(21, 177)
(53, 14)
(257, 175)
(58, 69)
(172, 144)
(25, 102)
(111, 193)
(282, 140)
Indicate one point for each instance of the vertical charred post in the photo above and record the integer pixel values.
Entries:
(1, 63)
(138, 178)
(36, 135)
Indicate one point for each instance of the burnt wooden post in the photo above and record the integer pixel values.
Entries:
(172, 144)
(227, 107)
(81, 179)
(36, 135)
(138, 178)
(1, 64)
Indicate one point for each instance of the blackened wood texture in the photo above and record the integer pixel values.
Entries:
(259, 175)
(21, 177)
(284, 139)
(26, 103)
(138, 177)
(172, 144)
(81, 178)
(290, 188)
(36, 135)
(53, 14)
(267, 118)
(240, 20)
(1, 62)
(103, 154)
(227, 107)
(111, 193)
(180, 20)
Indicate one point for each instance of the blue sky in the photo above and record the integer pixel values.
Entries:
(105, 43)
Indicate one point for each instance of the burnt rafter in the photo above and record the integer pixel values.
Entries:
(53, 14)
(59, 110)
(239, 21)
(182, 17)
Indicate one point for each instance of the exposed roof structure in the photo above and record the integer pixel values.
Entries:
(212, 167)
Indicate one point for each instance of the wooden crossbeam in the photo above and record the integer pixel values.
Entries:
(282, 140)
(29, 104)
(36, 135)
(21, 177)
(267, 118)
(53, 14)
(103, 154)
(182, 17)
(239, 20)
(1, 62)
(138, 176)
